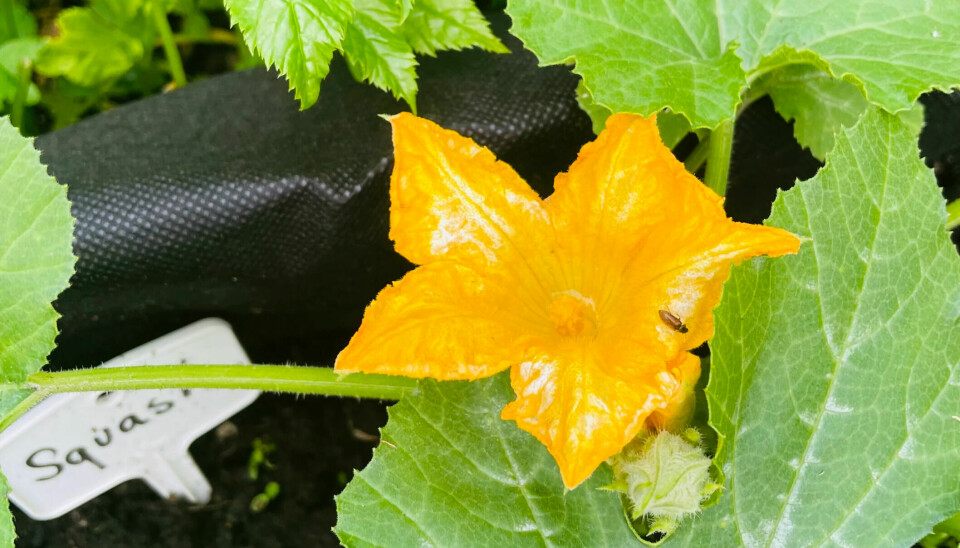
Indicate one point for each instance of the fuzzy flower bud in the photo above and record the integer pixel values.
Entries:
(665, 477)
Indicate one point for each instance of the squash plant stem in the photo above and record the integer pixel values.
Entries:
(695, 159)
(275, 378)
(169, 45)
(718, 157)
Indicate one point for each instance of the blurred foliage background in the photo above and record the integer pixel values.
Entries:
(63, 60)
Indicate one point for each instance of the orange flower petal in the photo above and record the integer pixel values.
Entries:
(442, 321)
(688, 281)
(621, 184)
(452, 199)
(585, 404)
(638, 234)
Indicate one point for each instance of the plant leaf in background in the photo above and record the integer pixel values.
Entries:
(696, 57)
(834, 374)
(436, 25)
(450, 472)
(19, 46)
(36, 262)
(377, 37)
(297, 36)
(99, 43)
(8, 533)
(13, 54)
(375, 52)
(23, 23)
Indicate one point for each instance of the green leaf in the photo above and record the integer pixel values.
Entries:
(67, 101)
(36, 258)
(672, 127)
(7, 532)
(12, 56)
(913, 118)
(36, 262)
(836, 372)
(803, 91)
(434, 25)
(24, 25)
(643, 55)
(598, 113)
(450, 472)
(638, 56)
(375, 52)
(99, 43)
(377, 37)
(14, 52)
(296, 36)
(405, 7)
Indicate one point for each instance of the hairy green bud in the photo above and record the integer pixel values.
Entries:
(665, 477)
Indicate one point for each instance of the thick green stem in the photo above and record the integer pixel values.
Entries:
(24, 79)
(718, 157)
(276, 378)
(698, 156)
(169, 45)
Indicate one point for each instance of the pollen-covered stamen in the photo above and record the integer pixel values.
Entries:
(573, 315)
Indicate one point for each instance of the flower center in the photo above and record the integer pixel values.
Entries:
(573, 315)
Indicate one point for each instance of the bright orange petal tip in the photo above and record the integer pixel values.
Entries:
(592, 298)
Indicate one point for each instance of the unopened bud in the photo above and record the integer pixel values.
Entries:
(665, 477)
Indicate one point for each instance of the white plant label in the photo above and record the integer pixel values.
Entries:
(72, 447)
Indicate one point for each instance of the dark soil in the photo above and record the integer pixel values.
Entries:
(319, 442)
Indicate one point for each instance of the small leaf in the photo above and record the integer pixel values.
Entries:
(434, 25)
(673, 127)
(97, 44)
(296, 36)
(835, 372)
(450, 472)
(375, 52)
(598, 113)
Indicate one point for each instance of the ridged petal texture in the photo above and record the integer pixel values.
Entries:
(594, 297)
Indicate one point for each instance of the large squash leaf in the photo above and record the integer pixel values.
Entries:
(836, 373)
(695, 57)
(450, 472)
(36, 262)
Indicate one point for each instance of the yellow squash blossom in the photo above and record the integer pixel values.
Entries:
(594, 297)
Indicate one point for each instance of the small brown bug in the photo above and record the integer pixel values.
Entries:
(673, 321)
